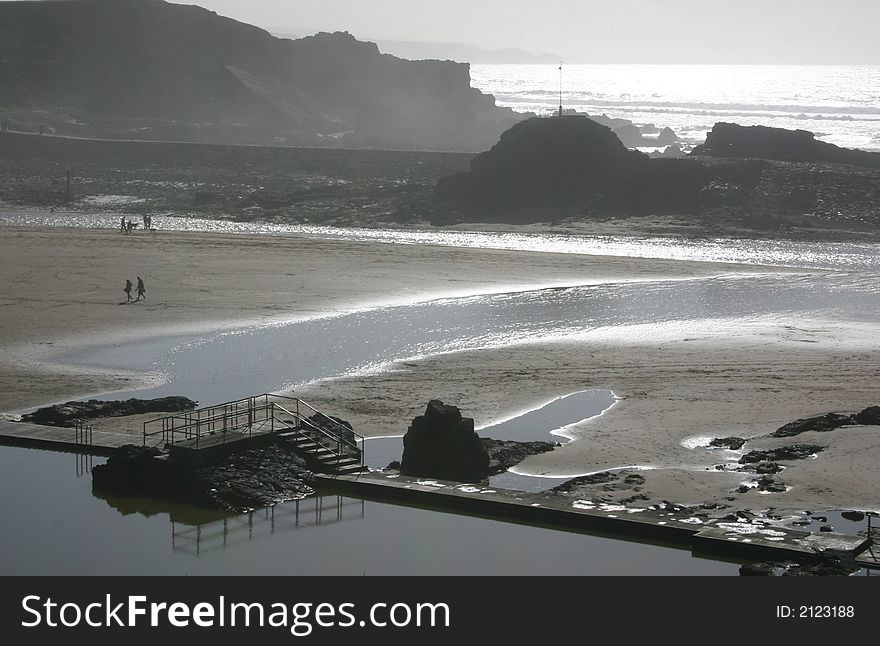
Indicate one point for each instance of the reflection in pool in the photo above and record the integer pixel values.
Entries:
(54, 525)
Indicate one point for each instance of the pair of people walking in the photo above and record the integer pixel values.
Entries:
(141, 290)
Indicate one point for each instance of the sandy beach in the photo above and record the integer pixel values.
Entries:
(62, 291)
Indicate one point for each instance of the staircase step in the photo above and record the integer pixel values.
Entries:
(350, 469)
(332, 461)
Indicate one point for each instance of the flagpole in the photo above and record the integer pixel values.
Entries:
(560, 88)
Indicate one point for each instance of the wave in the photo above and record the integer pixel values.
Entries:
(848, 112)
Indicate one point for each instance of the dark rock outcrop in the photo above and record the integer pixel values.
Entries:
(794, 452)
(442, 444)
(732, 140)
(770, 484)
(667, 137)
(821, 424)
(504, 454)
(555, 162)
(767, 468)
(570, 167)
(733, 443)
(130, 471)
(854, 516)
(868, 417)
(255, 478)
(66, 414)
(574, 484)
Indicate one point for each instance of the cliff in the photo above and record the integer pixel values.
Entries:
(147, 69)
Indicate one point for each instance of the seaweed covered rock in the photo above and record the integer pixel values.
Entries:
(442, 444)
(794, 452)
(65, 414)
(504, 454)
(258, 477)
(821, 424)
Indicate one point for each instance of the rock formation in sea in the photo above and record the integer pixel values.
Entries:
(572, 167)
(541, 162)
(731, 140)
(442, 444)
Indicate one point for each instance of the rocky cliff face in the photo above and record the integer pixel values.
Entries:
(146, 69)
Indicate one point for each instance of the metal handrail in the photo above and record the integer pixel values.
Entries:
(82, 432)
(259, 409)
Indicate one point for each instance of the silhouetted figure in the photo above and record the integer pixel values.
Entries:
(122, 224)
(127, 290)
(142, 291)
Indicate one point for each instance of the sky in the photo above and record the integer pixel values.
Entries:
(584, 31)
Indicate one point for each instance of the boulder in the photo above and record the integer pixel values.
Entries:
(762, 142)
(734, 443)
(768, 468)
(667, 137)
(442, 444)
(854, 516)
(868, 417)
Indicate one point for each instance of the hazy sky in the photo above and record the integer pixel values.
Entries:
(726, 31)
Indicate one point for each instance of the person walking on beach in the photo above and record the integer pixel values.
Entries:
(142, 291)
(122, 224)
(127, 290)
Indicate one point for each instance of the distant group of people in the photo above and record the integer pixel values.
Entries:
(141, 290)
(127, 226)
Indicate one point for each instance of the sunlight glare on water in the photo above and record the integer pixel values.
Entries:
(779, 253)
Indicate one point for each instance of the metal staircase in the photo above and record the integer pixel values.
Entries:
(328, 445)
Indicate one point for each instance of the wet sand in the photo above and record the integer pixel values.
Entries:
(62, 290)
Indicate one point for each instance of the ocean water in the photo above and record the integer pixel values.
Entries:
(840, 103)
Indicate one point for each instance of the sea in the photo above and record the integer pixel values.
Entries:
(839, 103)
